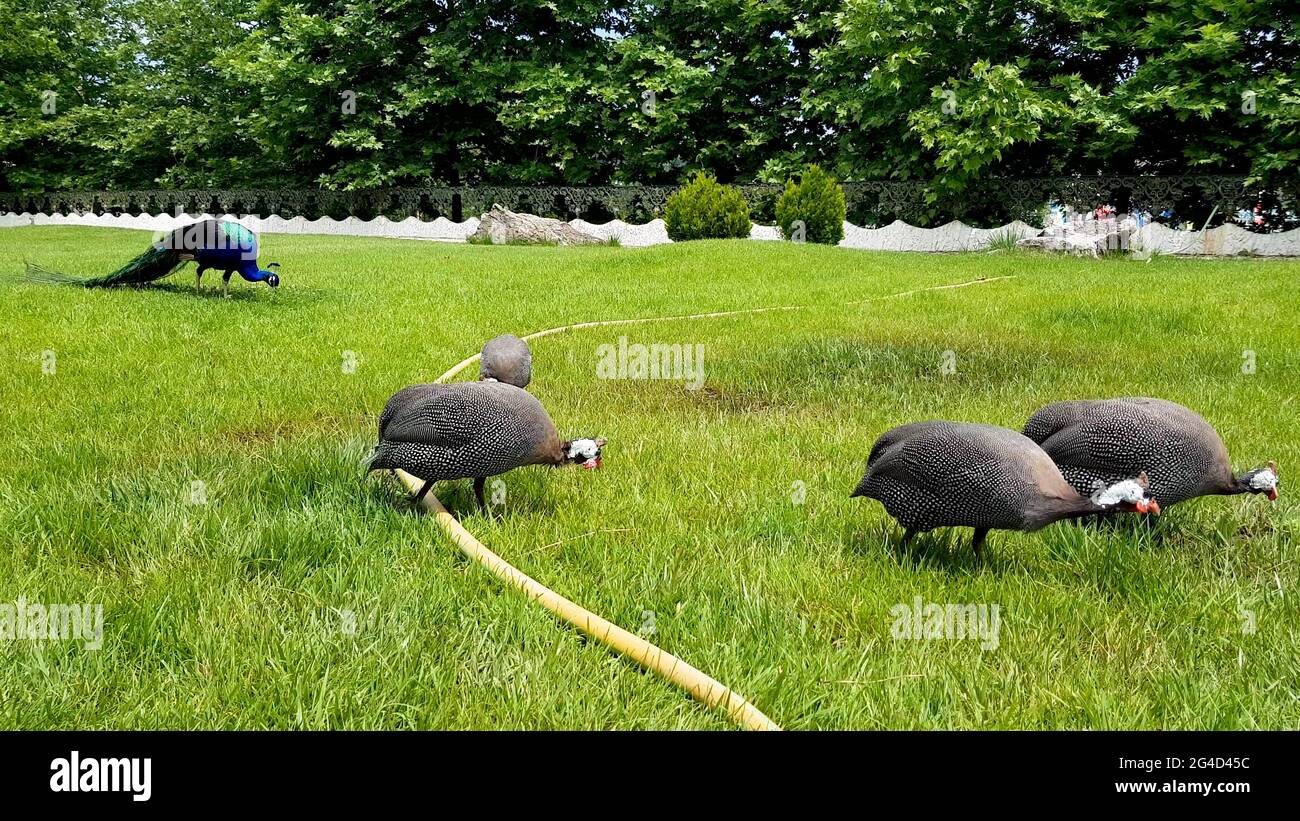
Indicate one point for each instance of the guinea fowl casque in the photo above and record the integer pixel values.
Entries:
(506, 358)
(1094, 441)
(214, 244)
(471, 430)
(954, 474)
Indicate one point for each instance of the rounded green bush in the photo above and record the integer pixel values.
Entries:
(705, 209)
(818, 201)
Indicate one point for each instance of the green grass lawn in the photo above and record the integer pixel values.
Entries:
(298, 598)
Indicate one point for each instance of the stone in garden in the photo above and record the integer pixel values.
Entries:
(1088, 244)
(502, 226)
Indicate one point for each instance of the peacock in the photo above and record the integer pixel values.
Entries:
(217, 244)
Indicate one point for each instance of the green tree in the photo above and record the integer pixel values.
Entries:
(264, 93)
(957, 90)
(65, 67)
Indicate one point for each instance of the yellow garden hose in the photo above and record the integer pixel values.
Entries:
(465, 363)
(702, 687)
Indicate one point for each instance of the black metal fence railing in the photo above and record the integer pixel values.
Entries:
(870, 202)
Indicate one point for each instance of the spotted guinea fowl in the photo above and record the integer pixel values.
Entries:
(471, 430)
(955, 474)
(506, 358)
(1095, 441)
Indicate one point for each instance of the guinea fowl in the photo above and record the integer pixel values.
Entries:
(954, 474)
(471, 430)
(1094, 441)
(506, 358)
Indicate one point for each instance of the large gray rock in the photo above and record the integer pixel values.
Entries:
(502, 226)
(1092, 245)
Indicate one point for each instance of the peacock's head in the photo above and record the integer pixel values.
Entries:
(1263, 480)
(585, 452)
(272, 278)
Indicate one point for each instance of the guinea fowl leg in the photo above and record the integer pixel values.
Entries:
(908, 535)
(478, 492)
(978, 541)
(420, 496)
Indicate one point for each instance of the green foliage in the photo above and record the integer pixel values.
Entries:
(254, 93)
(818, 201)
(1015, 88)
(976, 119)
(705, 209)
(1004, 242)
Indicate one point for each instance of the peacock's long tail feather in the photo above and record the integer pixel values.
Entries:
(153, 264)
(36, 273)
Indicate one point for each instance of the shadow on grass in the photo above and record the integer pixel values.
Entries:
(457, 496)
(945, 549)
(287, 294)
(1145, 531)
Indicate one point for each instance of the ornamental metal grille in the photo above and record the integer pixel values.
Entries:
(869, 202)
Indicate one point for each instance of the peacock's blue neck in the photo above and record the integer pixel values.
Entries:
(233, 248)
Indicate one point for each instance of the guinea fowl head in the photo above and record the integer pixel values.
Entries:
(1130, 495)
(1262, 480)
(585, 452)
(506, 358)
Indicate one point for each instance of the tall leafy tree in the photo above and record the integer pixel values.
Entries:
(65, 65)
(366, 93)
(954, 90)
(378, 93)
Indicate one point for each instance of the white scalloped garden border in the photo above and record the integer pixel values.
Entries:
(1226, 240)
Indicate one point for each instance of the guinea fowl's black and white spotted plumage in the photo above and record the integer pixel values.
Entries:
(954, 474)
(471, 430)
(506, 358)
(1095, 441)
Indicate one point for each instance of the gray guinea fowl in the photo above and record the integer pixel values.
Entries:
(471, 430)
(955, 474)
(1095, 441)
(506, 358)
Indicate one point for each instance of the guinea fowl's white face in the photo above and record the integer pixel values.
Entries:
(1265, 480)
(1128, 493)
(586, 452)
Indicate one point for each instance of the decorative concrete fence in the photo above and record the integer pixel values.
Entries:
(875, 202)
(409, 228)
(1227, 240)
